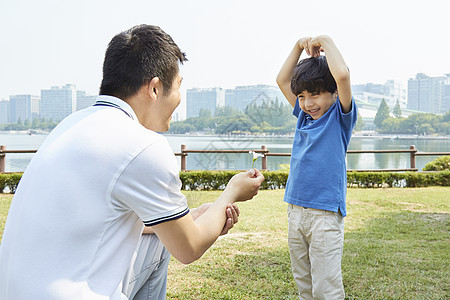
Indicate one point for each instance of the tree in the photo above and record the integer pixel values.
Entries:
(446, 117)
(181, 127)
(397, 110)
(425, 129)
(36, 123)
(359, 123)
(204, 113)
(391, 125)
(237, 123)
(382, 114)
(225, 111)
(274, 112)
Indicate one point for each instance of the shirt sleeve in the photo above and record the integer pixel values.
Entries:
(151, 187)
(349, 119)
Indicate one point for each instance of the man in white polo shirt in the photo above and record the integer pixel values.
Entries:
(78, 214)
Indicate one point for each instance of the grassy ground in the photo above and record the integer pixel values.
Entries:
(397, 246)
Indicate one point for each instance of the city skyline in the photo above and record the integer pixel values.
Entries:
(428, 94)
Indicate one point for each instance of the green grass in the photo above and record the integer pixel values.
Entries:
(397, 246)
(5, 202)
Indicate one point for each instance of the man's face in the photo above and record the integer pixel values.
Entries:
(316, 105)
(169, 101)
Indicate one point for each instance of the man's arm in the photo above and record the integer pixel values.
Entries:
(337, 67)
(232, 213)
(187, 240)
(285, 75)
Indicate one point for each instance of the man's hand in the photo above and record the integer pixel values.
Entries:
(244, 186)
(232, 218)
(232, 213)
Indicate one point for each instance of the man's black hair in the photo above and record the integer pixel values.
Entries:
(137, 55)
(313, 75)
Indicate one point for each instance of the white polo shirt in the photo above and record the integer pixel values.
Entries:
(79, 209)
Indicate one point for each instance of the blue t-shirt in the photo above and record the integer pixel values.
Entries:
(318, 173)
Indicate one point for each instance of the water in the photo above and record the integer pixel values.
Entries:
(219, 161)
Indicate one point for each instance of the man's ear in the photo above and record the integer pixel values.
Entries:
(335, 95)
(154, 88)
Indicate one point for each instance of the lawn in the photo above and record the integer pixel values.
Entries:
(397, 246)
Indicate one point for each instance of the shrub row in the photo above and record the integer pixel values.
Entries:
(10, 180)
(397, 179)
(217, 180)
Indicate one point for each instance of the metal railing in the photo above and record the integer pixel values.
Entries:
(185, 152)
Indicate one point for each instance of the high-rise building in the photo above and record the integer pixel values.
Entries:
(23, 107)
(445, 105)
(58, 102)
(372, 93)
(4, 111)
(206, 98)
(427, 94)
(241, 96)
(84, 101)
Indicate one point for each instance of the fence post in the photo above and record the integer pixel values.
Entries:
(264, 158)
(183, 158)
(2, 159)
(413, 156)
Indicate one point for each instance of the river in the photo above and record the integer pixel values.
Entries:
(216, 161)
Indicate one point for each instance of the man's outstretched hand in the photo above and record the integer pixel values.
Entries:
(244, 186)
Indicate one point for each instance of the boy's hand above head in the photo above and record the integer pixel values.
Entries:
(313, 45)
(303, 44)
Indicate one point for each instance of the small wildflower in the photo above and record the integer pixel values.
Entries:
(255, 156)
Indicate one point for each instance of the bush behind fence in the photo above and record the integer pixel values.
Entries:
(217, 180)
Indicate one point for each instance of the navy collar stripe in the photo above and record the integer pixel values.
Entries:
(105, 103)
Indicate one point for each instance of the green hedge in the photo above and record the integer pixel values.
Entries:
(397, 179)
(10, 180)
(217, 180)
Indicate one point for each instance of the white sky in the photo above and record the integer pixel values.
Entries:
(228, 43)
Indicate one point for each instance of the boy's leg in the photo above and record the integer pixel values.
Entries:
(147, 276)
(299, 251)
(326, 247)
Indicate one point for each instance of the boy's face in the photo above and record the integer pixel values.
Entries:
(316, 105)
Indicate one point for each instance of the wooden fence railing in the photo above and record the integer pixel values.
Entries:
(185, 152)
(412, 153)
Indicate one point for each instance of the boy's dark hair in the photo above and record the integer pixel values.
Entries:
(137, 55)
(313, 75)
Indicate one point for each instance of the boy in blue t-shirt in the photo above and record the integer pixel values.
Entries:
(319, 89)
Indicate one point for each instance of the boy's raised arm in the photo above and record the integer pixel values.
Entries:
(285, 75)
(337, 66)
